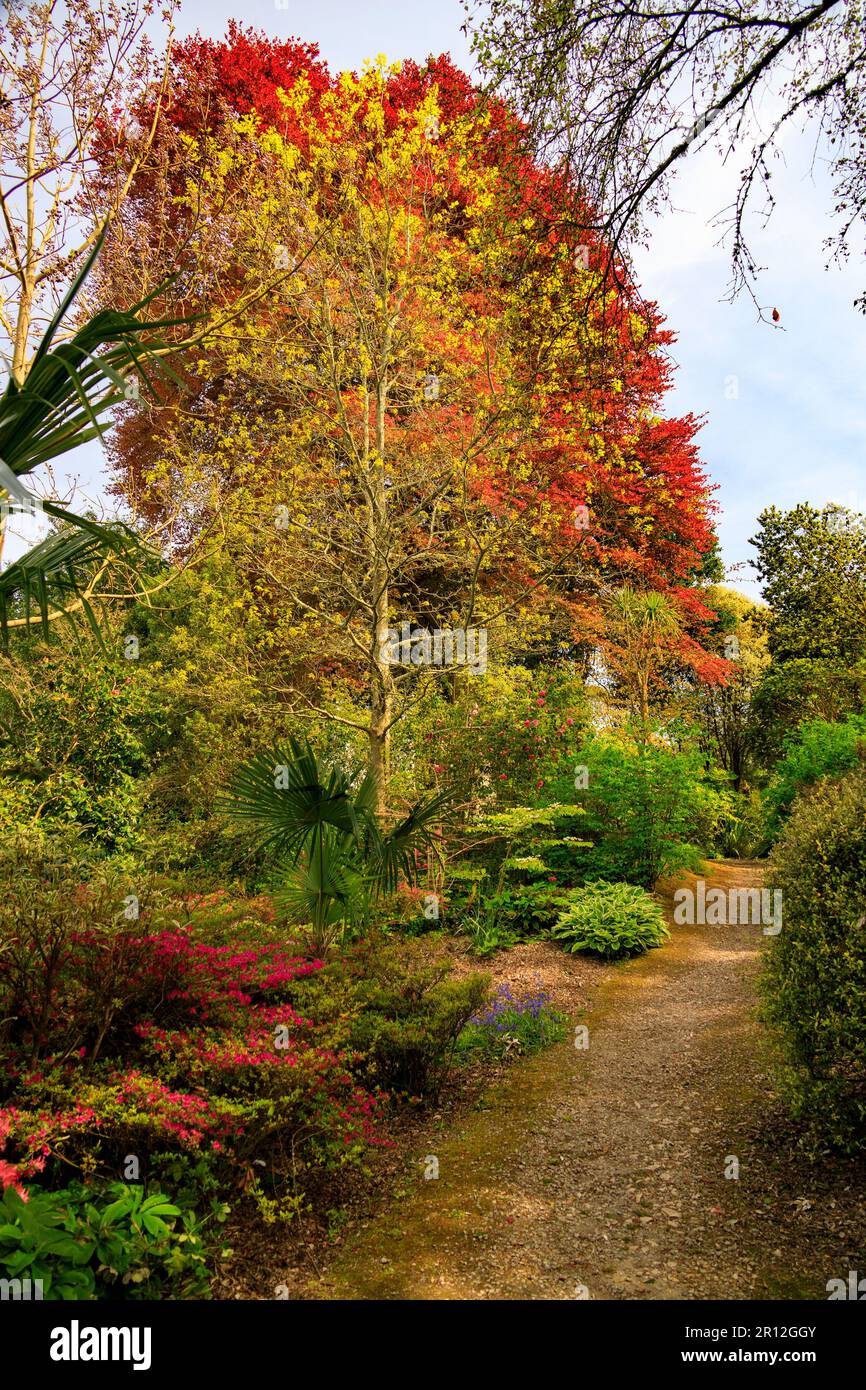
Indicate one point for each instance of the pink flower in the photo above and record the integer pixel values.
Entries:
(9, 1176)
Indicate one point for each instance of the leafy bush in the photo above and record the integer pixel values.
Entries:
(815, 970)
(408, 1014)
(496, 920)
(500, 742)
(487, 931)
(804, 689)
(77, 746)
(515, 914)
(648, 808)
(818, 749)
(116, 1243)
(531, 910)
(511, 893)
(504, 853)
(611, 919)
(69, 956)
(744, 830)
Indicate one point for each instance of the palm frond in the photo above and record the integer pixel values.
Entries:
(340, 858)
(397, 847)
(52, 573)
(62, 403)
(287, 793)
(323, 889)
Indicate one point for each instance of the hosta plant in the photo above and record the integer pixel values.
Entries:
(611, 920)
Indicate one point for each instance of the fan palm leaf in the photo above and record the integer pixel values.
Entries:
(339, 856)
(291, 798)
(53, 572)
(397, 847)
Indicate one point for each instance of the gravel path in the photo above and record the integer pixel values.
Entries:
(600, 1172)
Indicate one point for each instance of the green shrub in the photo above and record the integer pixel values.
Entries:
(790, 692)
(744, 832)
(611, 919)
(496, 921)
(47, 910)
(487, 931)
(531, 911)
(76, 746)
(814, 976)
(818, 749)
(650, 807)
(410, 1015)
(115, 1243)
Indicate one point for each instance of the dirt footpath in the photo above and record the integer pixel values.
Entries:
(600, 1172)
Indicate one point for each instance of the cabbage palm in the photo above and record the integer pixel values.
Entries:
(644, 627)
(339, 857)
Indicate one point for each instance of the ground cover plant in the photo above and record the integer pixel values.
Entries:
(611, 919)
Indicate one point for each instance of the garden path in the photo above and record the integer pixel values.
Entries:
(600, 1172)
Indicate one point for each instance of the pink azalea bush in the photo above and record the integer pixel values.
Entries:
(152, 1040)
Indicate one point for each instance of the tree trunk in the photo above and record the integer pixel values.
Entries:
(382, 680)
(381, 705)
(18, 369)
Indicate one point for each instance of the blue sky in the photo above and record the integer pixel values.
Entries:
(784, 406)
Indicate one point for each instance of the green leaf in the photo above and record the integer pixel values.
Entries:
(159, 1206)
(18, 1260)
(154, 1225)
(121, 1207)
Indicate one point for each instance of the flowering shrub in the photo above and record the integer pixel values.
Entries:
(239, 1107)
(130, 1037)
(201, 983)
(12, 1173)
(502, 741)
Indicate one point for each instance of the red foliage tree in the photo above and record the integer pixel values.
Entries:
(635, 471)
